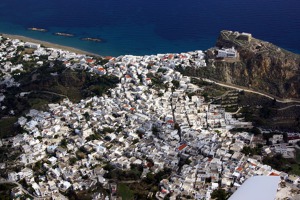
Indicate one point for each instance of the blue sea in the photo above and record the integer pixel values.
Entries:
(149, 27)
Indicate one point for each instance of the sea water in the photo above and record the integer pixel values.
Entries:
(150, 27)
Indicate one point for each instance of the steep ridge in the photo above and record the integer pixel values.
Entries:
(258, 65)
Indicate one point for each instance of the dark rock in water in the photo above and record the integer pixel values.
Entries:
(37, 29)
(64, 34)
(92, 39)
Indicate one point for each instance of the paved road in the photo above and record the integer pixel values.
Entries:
(53, 93)
(236, 112)
(250, 91)
(289, 107)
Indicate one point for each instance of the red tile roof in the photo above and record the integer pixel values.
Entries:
(253, 164)
(182, 147)
(164, 191)
(90, 60)
(273, 174)
(239, 169)
(108, 57)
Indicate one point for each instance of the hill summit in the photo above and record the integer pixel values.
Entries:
(259, 65)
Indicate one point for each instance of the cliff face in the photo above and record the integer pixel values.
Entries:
(260, 65)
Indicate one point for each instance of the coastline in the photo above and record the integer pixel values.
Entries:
(49, 44)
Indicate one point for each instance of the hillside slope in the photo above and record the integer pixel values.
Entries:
(260, 65)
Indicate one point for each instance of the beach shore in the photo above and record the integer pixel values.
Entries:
(49, 44)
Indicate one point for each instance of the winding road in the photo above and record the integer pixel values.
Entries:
(249, 90)
(289, 107)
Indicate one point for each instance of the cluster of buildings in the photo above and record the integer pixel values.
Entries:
(278, 145)
(136, 122)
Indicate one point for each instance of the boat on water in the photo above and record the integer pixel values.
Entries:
(37, 29)
(64, 34)
(92, 39)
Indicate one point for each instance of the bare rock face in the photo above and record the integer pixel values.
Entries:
(260, 65)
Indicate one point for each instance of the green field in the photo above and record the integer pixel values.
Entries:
(125, 192)
(296, 166)
(5, 191)
(7, 126)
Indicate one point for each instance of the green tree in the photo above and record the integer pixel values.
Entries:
(63, 143)
(155, 131)
(220, 194)
(87, 116)
(252, 151)
(175, 83)
(108, 130)
(255, 131)
(72, 160)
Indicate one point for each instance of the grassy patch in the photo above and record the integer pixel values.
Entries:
(231, 109)
(37, 103)
(291, 166)
(5, 190)
(296, 166)
(7, 126)
(125, 192)
(298, 155)
(295, 169)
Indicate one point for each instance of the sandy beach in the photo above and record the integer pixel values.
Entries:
(48, 44)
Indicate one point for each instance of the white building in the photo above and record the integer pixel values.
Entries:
(278, 138)
(32, 45)
(227, 53)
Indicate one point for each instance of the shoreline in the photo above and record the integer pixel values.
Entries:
(49, 44)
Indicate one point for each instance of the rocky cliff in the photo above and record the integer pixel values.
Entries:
(259, 65)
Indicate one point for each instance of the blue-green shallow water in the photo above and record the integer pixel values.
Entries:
(150, 27)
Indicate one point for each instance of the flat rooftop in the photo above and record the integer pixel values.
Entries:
(258, 188)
